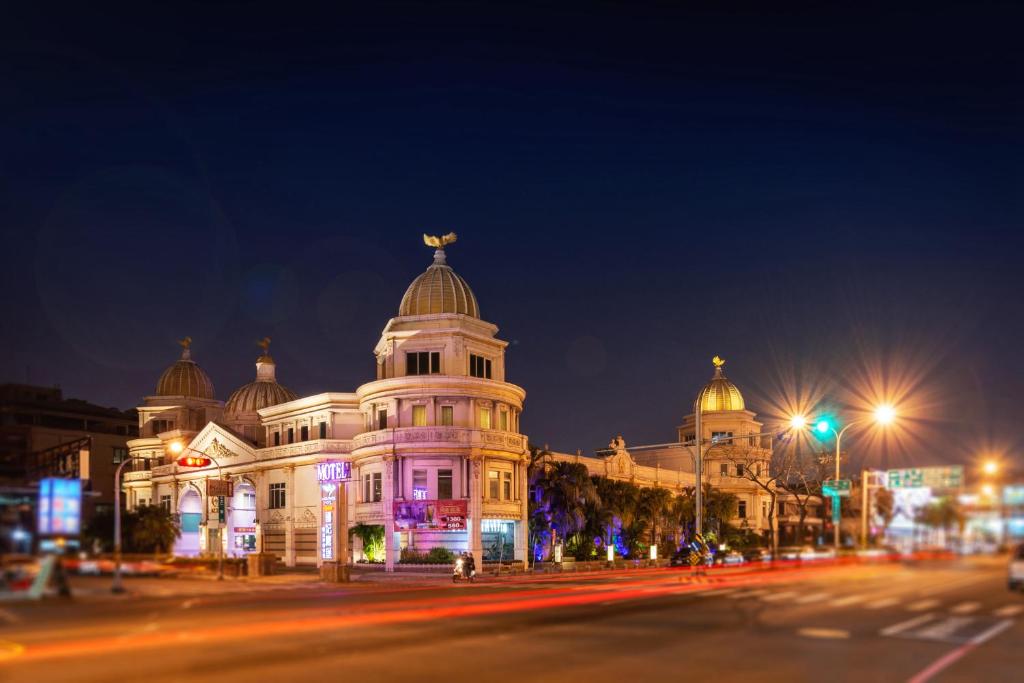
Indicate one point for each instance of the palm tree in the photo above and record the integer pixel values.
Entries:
(153, 530)
(564, 490)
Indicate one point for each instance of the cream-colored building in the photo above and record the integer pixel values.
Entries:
(431, 447)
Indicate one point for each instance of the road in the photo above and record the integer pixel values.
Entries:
(938, 620)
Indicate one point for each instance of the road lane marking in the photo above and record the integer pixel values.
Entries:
(966, 607)
(906, 625)
(952, 657)
(190, 603)
(714, 592)
(748, 594)
(848, 600)
(9, 616)
(832, 633)
(1009, 611)
(883, 603)
(813, 597)
(776, 597)
(922, 605)
(945, 629)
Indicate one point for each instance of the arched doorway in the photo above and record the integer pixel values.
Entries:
(190, 508)
(242, 524)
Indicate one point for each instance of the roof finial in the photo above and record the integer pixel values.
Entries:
(718, 361)
(265, 345)
(439, 243)
(186, 348)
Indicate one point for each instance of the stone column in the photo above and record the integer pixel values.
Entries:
(388, 499)
(289, 524)
(476, 506)
(523, 530)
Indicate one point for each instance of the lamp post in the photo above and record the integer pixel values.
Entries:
(118, 585)
(883, 415)
(178, 448)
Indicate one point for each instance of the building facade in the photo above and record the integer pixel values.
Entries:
(430, 449)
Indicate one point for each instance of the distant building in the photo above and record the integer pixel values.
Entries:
(43, 434)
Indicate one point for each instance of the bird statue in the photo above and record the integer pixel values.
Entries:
(185, 343)
(718, 361)
(438, 242)
(264, 344)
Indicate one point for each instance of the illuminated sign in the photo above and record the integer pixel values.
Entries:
(926, 477)
(333, 471)
(328, 500)
(60, 507)
(419, 493)
(446, 515)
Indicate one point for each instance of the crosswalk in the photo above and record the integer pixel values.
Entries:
(926, 607)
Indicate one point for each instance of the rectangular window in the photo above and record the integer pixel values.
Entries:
(485, 418)
(423, 363)
(378, 487)
(382, 419)
(493, 484)
(503, 420)
(782, 509)
(304, 433)
(742, 509)
(120, 455)
(739, 470)
(165, 503)
(444, 484)
(419, 485)
(447, 416)
(277, 438)
(506, 486)
(764, 509)
(323, 430)
(419, 416)
(277, 496)
(291, 435)
(720, 436)
(479, 366)
(366, 488)
(723, 470)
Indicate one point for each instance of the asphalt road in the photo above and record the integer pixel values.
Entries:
(938, 620)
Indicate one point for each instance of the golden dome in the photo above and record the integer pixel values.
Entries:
(439, 290)
(185, 377)
(262, 393)
(720, 394)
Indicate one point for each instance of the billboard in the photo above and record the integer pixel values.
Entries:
(60, 507)
(926, 477)
(431, 514)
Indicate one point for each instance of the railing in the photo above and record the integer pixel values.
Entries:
(464, 436)
(140, 475)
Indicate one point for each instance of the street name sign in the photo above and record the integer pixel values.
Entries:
(951, 477)
(836, 487)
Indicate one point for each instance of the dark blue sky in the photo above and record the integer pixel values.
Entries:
(824, 197)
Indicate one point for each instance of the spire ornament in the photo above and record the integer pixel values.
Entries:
(439, 243)
(718, 361)
(186, 348)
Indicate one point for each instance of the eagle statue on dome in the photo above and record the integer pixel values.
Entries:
(185, 343)
(438, 242)
(718, 361)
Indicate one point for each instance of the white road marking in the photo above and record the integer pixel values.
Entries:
(813, 597)
(904, 625)
(965, 607)
(992, 632)
(922, 605)
(848, 600)
(192, 602)
(9, 616)
(883, 603)
(833, 633)
(748, 594)
(945, 629)
(776, 597)
(1009, 610)
(717, 592)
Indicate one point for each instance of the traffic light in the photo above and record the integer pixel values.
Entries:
(194, 461)
(823, 425)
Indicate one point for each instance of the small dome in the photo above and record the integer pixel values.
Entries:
(185, 377)
(262, 393)
(720, 394)
(439, 290)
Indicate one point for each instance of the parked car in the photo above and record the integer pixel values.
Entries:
(729, 557)
(1015, 579)
(757, 555)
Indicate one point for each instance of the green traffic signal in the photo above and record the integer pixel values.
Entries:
(823, 426)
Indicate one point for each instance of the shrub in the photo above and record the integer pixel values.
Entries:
(440, 556)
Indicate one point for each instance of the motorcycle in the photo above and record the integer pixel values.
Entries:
(459, 571)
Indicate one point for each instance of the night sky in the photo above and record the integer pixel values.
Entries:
(830, 200)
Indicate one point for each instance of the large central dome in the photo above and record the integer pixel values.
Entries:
(439, 290)
(720, 394)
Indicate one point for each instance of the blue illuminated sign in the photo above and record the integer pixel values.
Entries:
(60, 507)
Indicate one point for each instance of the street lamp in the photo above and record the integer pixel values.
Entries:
(118, 585)
(990, 467)
(884, 414)
(199, 461)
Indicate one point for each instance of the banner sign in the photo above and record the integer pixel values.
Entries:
(926, 477)
(333, 471)
(220, 487)
(328, 505)
(60, 507)
(431, 514)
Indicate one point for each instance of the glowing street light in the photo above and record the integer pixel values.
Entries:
(885, 414)
(798, 422)
(990, 467)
